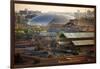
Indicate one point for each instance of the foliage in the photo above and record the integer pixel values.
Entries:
(62, 35)
(23, 33)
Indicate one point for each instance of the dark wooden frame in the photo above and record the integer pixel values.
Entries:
(39, 3)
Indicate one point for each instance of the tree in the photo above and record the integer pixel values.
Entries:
(62, 35)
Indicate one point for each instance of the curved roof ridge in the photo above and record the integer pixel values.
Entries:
(42, 19)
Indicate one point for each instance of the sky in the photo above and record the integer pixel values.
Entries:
(49, 8)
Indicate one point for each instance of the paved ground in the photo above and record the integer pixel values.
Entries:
(56, 61)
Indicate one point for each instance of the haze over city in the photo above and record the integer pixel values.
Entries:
(49, 8)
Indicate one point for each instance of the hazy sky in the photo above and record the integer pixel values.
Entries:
(48, 8)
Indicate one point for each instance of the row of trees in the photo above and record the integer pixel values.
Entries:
(23, 33)
(27, 33)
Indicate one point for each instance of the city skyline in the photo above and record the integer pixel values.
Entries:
(49, 8)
